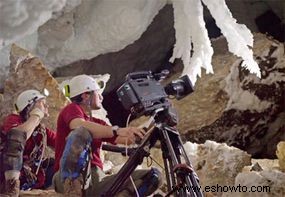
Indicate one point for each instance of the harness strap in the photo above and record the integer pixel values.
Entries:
(34, 156)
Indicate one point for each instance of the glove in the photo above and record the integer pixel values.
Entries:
(37, 112)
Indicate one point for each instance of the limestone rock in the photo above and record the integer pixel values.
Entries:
(29, 73)
(267, 183)
(265, 164)
(236, 107)
(19, 19)
(281, 154)
(17, 55)
(217, 163)
(95, 28)
(147, 53)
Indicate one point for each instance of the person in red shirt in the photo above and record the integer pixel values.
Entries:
(24, 162)
(78, 142)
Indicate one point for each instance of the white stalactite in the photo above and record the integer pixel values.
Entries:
(190, 28)
(238, 36)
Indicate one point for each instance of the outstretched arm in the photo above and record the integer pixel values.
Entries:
(102, 131)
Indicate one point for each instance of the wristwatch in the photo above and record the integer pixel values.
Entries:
(115, 130)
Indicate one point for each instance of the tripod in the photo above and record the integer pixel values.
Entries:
(181, 179)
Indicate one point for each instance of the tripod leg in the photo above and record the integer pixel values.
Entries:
(168, 168)
(167, 171)
(186, 178)
(169, 146)
(183, 152)
(192, 175)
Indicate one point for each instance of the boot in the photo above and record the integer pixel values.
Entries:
(73, 188)
(12, 188)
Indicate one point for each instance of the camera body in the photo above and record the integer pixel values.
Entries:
(143, 93)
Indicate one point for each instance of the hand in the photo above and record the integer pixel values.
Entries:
(41, 104)
(131, 133)
(37, 112)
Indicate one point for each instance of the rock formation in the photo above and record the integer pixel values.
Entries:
(217, 164)
(235, 107)
(267, 180)
(28, 72)
(280, 152)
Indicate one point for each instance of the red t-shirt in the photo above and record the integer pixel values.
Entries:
(14, 120)
(67, 114)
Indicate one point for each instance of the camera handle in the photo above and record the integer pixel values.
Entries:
(139, 75)
(181, 178)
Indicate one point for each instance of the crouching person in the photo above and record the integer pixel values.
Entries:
(78, 142)
(25, 139)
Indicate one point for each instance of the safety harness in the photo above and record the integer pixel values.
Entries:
(33, 162)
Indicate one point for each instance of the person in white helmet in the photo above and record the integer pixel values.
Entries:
(78, 143)
(24, 164)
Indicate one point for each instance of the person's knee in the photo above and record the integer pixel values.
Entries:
(13, 150)
(81, 134)
(76, 153)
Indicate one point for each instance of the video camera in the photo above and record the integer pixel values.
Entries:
(142, 92)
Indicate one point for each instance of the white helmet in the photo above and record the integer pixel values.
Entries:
(82, 83)
(26, 98)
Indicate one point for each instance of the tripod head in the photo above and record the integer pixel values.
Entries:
(167, 115)
(142, 92)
